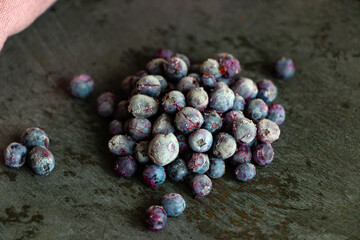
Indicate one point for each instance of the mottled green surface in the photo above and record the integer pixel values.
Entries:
(311, 191)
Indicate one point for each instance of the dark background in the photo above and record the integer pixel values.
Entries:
(311, 191)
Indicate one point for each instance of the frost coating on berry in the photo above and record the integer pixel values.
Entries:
(173, 203)
(125, 166)
(141, 152)
(163, 125)
(35, 137)
(187, 83)
(222, 98)
(197, 98)
(245, 172)
(217, 168)
(163, 149)
(188, 120)
(177, 170)
(143, 106)
(155, 218)
(121, 145)
(15, 155)
(201, 185)
(81, 86)
(200, 140)
(149, 85)
(268, 131)
(199, 163)
(263, 154)
(210, 66)
(224, 146)
(154, 175)
(212, 121)
(276, 114)
(256, 109)
(244, 130)
(41, 160)
(173, 101)
(242, 155)
(267, 91)
(139, 128)
(246, 88)
(175, 68)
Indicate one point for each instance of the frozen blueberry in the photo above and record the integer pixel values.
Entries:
(163, 83)
(252, 143)
(116, 127)
(188, 120)
(175, 68)
(222, 98)
(141, 152)
(245, 172)
(229, 119)
(201, 185)
(15, 155)
(197, 98)
(35, 137)
(183, 142)
(121, 112)
(285, 68)
(256, 110)
(173, 101)
(267, 131)
(211, 66)
(212, 121)
(81, 86)
(184, 58)
(187, 83)
(267, 91)
(224, 146)
(246, 88)
(163, 125)
(125, 166)
(121, 145)
(139, 75)
(208, 81)
(173, 203)
(195, 75)
(163, 149)
(126, 85)
(149, 85)
(154, 175)
(239, 103)
(217, 168)
(143, 106)
(199, 163)
(229, 66)
(244, 130)
(41, 160)
(106, 104)
(139, 128)
(263, 154)
(276, 114)
(177, 170)
(155, 66)
(155, 218)
(227, 81)
(164, 53)
(200, 140)
(242, 155)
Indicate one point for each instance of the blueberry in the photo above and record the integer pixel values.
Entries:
(276, 114)
(163, 125)
(116, 127)
(239, 103)
(195, 75)
(200, 140)
(15, 155)
(121, 112)
(163, 83)
(155, 218)
(244, 130)
(143, 106)
(224, 146)
(208, 81)
(245, 172)
(141, 152)
(187, 83)
(139, 128)
(126, 85)
(201, 185)
(256, 110)
(173, 101)
(35, 137)
(154, 175)
(125, 166)
(217, 168)
(149, 85)
(263, 154)
(211, 66)
(164, 53)
(41, 160)
(183, 142)
(184, 58)
(197, 98)
(222, 98)
(285, 68)
(242, 155)
(121, 145)
(175, 68)
(229, 66)
(137, 77)
(229, 119)
(246, 88)
(155, 66)
(177, 170)
(199, 163)
(106, 104)
(81, 86)
(227, 81)
(212, 121)
(267, 131)
(163, 149)
(267, 91)
(173, 203)
(188, 120)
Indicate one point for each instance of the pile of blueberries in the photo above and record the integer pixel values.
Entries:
(185, 121)
(34, 149)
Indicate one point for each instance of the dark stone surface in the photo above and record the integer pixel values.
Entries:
(311, 191)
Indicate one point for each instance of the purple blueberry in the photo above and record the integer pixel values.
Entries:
(116, 127)
(217, 168)
(229, 66)
(155, 66)
(211, 66)
(208, 81)
(121, 145)
(163, 125)
(188, 120)
(201, 185)
(224, 145)
(212, 121)
(106, 104)
(285, 68)
(163, 83)
(81, 86)
(200, 140)
(41, 160)
(35, 137)
(137, 77)
(229, 119)
(163, 53)
(187, 83)
(173, 203)
(267, 131)
(246, 88)
(263, 154)
(15, 155)
(221, 98)
(197, 98)
(245, 172)
(155, 218)
(242, 155)
(183, 142)
(199, 163)
(244, 130)
(177, 170)
(149, 85)
(154, 175)
(141, 152)
(121, 112)
(139, 128)
(163, 149)
(239, 103)
(175, 68)
(276, 114)
(184, 58)
(125, 166)
(256, 110)
(173, 101)
(267, 91)
(143, 106)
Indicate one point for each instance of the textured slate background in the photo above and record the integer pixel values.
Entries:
(311, 191)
